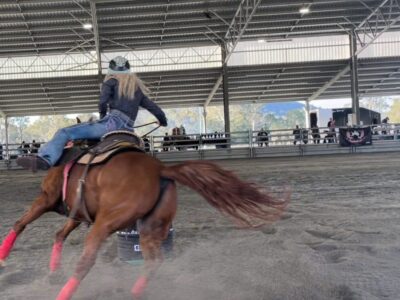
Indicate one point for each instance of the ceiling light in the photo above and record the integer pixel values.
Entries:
(87, 26)
(304, 10)
(261, 41)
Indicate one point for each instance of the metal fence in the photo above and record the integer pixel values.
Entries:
(246, 144)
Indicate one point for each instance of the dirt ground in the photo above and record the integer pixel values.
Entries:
(339, 239)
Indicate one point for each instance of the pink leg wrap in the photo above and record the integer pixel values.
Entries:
(139, 286)
(7, 245)
(56, 256)
(69, 289)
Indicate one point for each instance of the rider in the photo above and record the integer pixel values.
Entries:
(122, 92)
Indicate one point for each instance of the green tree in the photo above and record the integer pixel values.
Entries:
(18, 126)
(45, 127)
(394, 112)
(378, 104)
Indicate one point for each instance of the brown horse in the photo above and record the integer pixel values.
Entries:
(127, 188)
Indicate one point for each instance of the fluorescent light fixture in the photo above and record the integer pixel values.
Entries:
(93, 52)
(304, 10)
(261, 41)
(87, 26)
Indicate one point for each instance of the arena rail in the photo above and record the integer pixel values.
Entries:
(248, 144)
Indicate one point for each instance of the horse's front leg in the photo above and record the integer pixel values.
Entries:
(58, 243)
(41, 205)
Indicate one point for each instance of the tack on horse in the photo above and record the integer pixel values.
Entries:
(126, 188)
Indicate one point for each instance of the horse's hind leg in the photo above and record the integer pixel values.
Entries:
(154, 229)
(58, 243)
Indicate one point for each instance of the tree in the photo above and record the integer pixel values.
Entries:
(45, 127)
(378, 104)
(19, 124)
(394, 112)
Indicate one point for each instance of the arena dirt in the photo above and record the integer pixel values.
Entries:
(339, 239)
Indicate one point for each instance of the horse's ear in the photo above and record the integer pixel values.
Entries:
(78, 120)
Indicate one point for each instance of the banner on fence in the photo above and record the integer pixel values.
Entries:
(355, 136)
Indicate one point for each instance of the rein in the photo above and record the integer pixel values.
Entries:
(150, 130)
(146, 124)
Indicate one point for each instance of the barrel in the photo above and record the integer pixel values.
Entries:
(129, 245)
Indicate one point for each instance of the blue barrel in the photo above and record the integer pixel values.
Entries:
(129, 245)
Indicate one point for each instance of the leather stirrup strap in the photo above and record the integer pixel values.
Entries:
(79, 192)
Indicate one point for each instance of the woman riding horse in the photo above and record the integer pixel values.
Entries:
(122, 92)
(127, 188)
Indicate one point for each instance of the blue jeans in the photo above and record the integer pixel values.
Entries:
(53, 150)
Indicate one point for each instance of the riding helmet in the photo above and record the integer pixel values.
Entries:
(119, 65)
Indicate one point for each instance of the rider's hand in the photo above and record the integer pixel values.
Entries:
(162, 124)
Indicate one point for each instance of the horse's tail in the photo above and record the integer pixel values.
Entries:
(225, 191)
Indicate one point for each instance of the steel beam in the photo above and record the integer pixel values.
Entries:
(354, 78)
(367, 32)
(236, 29)
(225, 90)
(95, 25)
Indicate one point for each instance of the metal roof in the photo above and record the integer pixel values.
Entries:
(262, 83)
(41, 27)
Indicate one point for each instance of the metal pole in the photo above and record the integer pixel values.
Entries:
(307, 111)
(354, 78)
(6, 125)
(205, 119)
(225, 90)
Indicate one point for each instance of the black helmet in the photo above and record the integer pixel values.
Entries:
(119, 65)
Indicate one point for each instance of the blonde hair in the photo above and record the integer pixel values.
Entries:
(128, 85)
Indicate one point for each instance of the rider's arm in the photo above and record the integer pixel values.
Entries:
(107, 91)
(153, 108)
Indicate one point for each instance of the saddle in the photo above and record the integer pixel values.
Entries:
(100, 151)
(110, 144)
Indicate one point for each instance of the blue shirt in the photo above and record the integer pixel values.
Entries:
(109, 98)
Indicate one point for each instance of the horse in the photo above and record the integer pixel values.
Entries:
(125, 189)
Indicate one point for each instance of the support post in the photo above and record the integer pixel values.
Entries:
(6, 127)
(354, 78)
(205, 119)
(307, 114)
(225, 89)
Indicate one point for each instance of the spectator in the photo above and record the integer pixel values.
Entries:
(296, 133)
(166, 142)
(182, 130)
(332, 130)
(146, 142)
(34, 147)
(262, 137)
(23, 148)
(384, 121)
(315, 134)
(1, 152)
